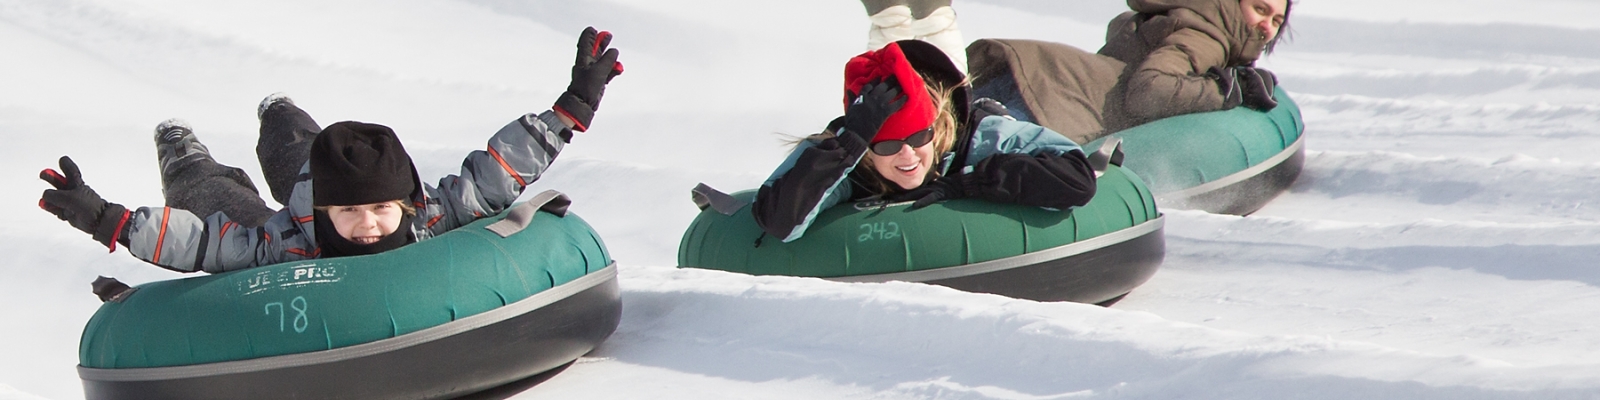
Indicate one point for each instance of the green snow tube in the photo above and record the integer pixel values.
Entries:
(1228, 162)
(1092, 254)
(465, 311)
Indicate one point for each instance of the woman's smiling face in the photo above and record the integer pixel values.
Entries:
(1264, 16)
(906, 168)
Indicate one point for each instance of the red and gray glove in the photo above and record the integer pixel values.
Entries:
(596, 65)
(80, 206)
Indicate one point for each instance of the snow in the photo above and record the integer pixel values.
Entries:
(1441, 242)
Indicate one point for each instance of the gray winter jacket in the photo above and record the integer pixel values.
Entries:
(490, 181)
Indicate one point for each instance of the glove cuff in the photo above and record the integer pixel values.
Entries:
(853, 144)
(574, 108)
(1228, 85)
(113, 223)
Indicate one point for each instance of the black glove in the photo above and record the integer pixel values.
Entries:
(595, 67)
(1257, 87)
(934, 191)
(80, 206)
(877, 101)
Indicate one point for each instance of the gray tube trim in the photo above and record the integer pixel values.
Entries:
(1237, 177)
(486, 318)
(1062, 251)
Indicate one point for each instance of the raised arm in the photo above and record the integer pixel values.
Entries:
(172, 238)
(491, 179)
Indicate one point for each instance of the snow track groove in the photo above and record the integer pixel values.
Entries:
(1112, 353)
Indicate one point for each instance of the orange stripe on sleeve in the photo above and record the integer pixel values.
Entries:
(507, 166)
(161, 238)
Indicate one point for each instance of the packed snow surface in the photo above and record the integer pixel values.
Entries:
(1442, 242)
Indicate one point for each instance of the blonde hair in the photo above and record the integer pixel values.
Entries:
(409, 209)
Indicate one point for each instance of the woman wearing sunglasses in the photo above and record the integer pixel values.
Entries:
(909, 133)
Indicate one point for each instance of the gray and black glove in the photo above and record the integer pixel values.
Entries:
(594, 68)
(1256, 86)
(987, 107)
(1227, 83)
(74, 202)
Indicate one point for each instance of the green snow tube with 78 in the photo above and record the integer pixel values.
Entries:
(459, 313)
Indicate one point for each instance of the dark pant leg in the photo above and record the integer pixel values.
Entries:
(285, 142)
(1003, 88)
(203, 186)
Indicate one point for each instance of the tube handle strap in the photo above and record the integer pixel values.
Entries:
(706, 197)
(518, 217)
(1110, 153)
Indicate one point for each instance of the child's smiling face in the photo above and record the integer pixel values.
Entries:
(366, 223)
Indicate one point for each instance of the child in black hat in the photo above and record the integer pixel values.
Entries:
(356, 193)
(362, 181)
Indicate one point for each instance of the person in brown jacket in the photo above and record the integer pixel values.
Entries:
(1163, 58)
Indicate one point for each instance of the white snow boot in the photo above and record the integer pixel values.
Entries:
(932, 21)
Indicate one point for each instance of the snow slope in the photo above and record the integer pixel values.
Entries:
(1438, 244)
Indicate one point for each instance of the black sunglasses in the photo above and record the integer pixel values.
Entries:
(890, 147)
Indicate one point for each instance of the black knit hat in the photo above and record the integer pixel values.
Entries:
(355, 163)
(936, 66)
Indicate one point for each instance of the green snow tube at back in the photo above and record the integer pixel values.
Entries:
(1230, 162)
(1092, 254)
(462, 312)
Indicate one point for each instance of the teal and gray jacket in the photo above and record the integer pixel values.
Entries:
(490, 180)
(1006, 161)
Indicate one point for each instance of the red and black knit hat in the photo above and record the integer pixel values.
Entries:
(354, 163)
(917, 114)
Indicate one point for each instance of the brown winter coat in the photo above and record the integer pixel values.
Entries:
(1153, 66)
